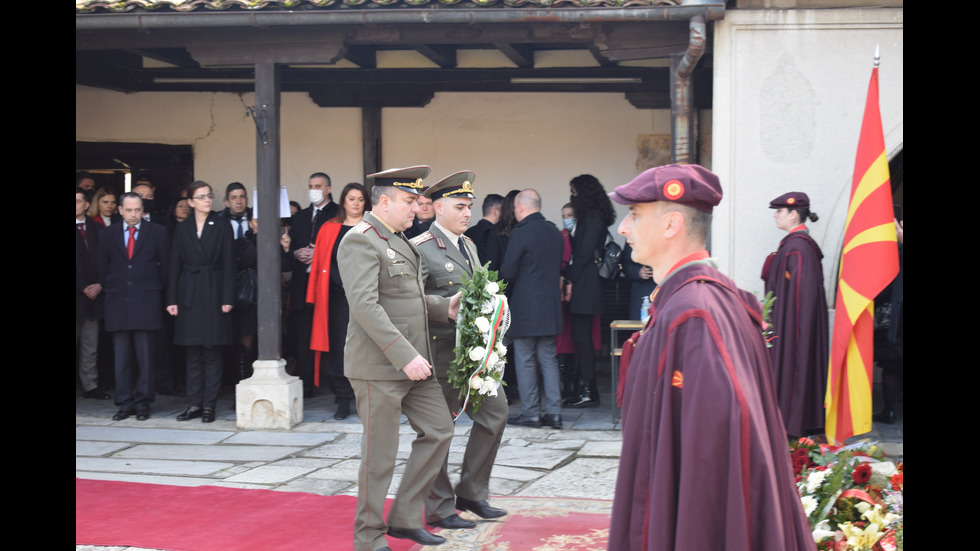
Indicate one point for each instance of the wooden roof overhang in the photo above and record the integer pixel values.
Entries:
(329, 49)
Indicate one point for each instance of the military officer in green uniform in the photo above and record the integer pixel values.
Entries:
(387, 360)
(448, 255)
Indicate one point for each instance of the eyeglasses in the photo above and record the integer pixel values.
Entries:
(203, 197)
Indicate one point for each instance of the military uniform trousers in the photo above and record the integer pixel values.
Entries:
(380, 404)
(481, 452)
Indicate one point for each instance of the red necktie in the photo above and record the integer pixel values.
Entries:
(132, 242)
(81, 228)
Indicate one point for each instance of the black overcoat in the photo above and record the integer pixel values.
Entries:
(583, 272)
(134, 287)
(532, 266)
(87, 271)
(202, 278)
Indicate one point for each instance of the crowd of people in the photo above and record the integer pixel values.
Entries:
(372, 291)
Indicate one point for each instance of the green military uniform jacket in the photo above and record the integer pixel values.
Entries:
(384, 280)
(444, 267)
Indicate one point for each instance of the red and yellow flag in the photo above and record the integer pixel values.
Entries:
(869, 262)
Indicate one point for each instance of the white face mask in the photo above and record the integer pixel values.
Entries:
(316, 196)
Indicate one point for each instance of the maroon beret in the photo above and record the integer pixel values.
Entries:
(791, 200)
(691, 185)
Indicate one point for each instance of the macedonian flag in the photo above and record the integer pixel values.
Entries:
(869, 262)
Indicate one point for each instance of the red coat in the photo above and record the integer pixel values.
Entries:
(318, 292)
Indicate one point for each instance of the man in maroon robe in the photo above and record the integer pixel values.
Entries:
(705, 463)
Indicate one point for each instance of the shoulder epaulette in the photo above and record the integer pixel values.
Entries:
(363, 226)
(421, 238)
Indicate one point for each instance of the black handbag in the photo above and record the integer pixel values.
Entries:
(245, 283)
(609, 263)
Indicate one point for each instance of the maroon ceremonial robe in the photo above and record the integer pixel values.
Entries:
(799, 318)
(705, 463)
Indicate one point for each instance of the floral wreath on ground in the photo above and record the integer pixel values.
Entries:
(853, 496)
(480, 355)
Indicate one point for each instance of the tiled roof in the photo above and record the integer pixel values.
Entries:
(92, 6)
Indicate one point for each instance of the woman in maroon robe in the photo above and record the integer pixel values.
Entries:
(799, 317)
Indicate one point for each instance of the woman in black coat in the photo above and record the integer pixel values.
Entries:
(200, 293)
(583, 289)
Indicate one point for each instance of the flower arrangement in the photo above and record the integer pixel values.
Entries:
(480, 355)
(852, 496)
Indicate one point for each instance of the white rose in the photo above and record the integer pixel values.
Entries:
(493, 359)
(500, 349)
(492, 287)
(476, 383)
(477, 353)
(489, 386)
(482, 323)
(487, 308)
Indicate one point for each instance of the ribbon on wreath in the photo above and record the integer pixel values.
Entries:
(496, 318)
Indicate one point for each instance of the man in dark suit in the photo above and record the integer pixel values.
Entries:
(532, 266)
(132, 260)
(236, 210)
(303, 228)
(448, 257)
(484, 233)
(88, 299)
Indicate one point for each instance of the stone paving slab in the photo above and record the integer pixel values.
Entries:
(150, 435)
(269, 474)
(208, 453)
(344, 447)
(148, 479)
(536, 458)
(149, 466)
(515, 473)
(588, 478)
(270, 438)
(319, 487)
(95, 449)
(601, 449)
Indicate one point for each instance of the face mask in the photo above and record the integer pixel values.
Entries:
(316, 196)
(569, 223)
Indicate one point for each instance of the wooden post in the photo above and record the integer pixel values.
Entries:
(267, 173)
(371, 138)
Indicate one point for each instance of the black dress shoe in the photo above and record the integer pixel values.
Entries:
(453, 522)
(525, 421)
(480, 508)
(207, 416)
(418, 535)
(343, 410)
(97, 394)
(551, 420)
(142, 415)
(122, 414)
(189, 414)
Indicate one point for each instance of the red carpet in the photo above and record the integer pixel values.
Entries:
(211, 518)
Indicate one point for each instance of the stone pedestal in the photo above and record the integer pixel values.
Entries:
(269, 399)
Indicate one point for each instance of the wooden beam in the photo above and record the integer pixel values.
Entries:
(443, 56)
(520, 55)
